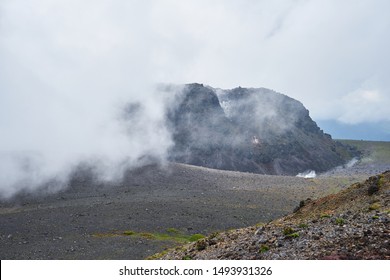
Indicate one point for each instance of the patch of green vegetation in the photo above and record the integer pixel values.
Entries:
(103, 235)
(259, 225)
(173, 230)
(303, 225)
(340, 221)
(171, 234)
(325, 216)
(195, 237)
(293, 235)
(375, 217)
(263, 248)
(149, 235)
(374, 206)
(186, 258)
(288, 231)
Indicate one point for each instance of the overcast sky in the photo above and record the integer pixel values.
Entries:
(67, 65)
(331, 55)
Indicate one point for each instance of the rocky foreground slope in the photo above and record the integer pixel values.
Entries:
(249, 130)
(353, 224)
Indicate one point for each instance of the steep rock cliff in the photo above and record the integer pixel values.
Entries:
(250, 130)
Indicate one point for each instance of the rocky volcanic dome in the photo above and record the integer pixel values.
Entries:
(251, 130)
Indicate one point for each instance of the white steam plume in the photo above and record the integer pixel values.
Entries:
(307, 174)
(67, 71)
(48, 141)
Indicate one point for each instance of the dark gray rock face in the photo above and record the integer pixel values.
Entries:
(251, 130)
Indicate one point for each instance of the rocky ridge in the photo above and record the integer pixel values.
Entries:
(353, 224)
(249, 130)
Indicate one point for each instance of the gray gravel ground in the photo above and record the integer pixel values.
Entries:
(352, 224)
(86, 221)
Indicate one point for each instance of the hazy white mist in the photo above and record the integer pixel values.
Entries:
(68, 68)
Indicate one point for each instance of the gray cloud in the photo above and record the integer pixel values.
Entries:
(67, 68)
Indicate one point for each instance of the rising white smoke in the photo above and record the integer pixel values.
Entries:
(307, 174)
(41, 149)
(67, 71)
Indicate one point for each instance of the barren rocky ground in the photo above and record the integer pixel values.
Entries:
(353, 224)
(155, 208)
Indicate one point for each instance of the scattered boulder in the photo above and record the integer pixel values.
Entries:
(373, 186)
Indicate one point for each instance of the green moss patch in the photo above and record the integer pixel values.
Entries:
(263, 248)
(339, 221)
(171, 234)
(288, 231)
(374, 206)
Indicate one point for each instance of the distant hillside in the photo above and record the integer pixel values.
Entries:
(378, 131)
(250, 130)
(353, 224)
(373, 152)
(374, 159)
